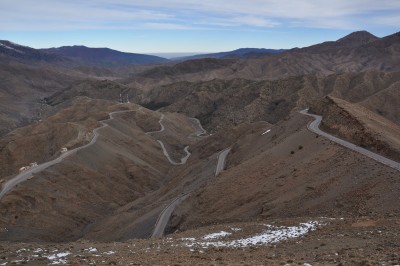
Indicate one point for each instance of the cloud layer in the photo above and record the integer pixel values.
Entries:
(190, 14)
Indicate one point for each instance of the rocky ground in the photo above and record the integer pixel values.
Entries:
(300, 241)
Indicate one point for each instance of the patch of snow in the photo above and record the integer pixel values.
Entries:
(60, 261)
(109, 252)
(306, 264)
(216, 235)
(11, 48)
(21, 250)
(5, 46)
(5, 263)
(189, 238)
(91, 249)
(58, 258)
(266, 132)
(38, 250)
(273, 234)
(235, 229)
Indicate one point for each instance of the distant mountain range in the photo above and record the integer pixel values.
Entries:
(12, 51)
(74, 56)
(79, 55)
(242, 52)
(104, 56)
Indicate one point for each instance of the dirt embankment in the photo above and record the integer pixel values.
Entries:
(359, 126)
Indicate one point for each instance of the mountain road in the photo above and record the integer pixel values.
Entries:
(314, 127)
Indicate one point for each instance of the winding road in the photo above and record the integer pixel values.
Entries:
(162, 126)
(314, 127)
(183, 160)
(165, 215)
(165, 152)
(198, 127)
(221, 161)
(10, 184)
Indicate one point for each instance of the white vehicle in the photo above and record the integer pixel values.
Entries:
(63, 150)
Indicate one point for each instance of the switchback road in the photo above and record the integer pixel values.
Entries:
(165, 152)
(10, 184)
(198, 127)
(165, 215)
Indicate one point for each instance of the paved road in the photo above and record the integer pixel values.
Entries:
(186, 149)
(183, 160)
(161, 124)
(221, 161)
(198, 127)
(165, 215)
(314, 127)
(9, 185)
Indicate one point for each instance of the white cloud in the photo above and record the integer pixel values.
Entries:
(186, 14)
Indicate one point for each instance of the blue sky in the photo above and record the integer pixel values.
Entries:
(173, 26)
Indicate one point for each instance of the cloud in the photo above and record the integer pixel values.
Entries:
(190, 14)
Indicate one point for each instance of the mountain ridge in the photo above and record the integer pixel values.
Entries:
(240, 52)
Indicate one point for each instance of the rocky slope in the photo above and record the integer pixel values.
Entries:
(287, 173)
(357, 52)
(360, 126)
(220, 103)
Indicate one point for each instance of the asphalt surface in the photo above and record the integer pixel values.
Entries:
(165, 215)
(198, 127)
(221, 161)
(183, 160)
(162, 126)
(9, 185)
(314, 127)
(165, 152)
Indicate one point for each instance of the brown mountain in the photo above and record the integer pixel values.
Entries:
(103, 57)
(357, 52)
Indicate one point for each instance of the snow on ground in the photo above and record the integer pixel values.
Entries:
(8, 47)
(109, 252)
(58, 258)
(54, 256)
(266, 132)
(91, 249)
(216, 235)
(272, 234)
